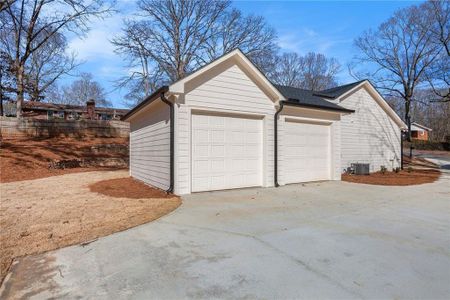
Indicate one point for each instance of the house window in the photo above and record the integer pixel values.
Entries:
(49, 114)
(105, 117)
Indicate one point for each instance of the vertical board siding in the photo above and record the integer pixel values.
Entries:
(230, 91)
(369, 135)
(150, 146)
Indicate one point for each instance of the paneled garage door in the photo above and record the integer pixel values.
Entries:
(304, 152)
(226, 152)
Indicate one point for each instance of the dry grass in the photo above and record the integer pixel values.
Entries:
(29, 158)
(416, 176)
(54, 212)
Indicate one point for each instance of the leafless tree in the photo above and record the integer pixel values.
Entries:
(171, 38)
(314, 71)
(400, 52)
(7, 85)
(46, 65)
(84, 89)
(145, 75)
(319, 72)
(288, 70)
(176, 30)
(437, 14)
(251, 34)
(426, 111)
(31, 23)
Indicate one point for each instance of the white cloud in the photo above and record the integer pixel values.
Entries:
(96, 44)
(307, 40)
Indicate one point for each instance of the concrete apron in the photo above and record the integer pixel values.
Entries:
(319, 240)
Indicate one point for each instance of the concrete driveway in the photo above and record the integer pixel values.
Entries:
(319, 240)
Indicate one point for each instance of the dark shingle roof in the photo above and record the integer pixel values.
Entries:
(306, 98)
(339, 90)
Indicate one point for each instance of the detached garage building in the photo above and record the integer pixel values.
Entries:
(226, 126)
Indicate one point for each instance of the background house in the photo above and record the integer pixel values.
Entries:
(420, 132)
(49, 111)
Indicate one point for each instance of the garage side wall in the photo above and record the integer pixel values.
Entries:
(369, 135)
(150, 145)
(228, 90)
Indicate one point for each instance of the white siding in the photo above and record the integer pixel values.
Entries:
(369, 135)
(229, 91)
(150, 145)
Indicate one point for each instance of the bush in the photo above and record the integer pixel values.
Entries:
(396, 170)
(383, 169)
(410, 169)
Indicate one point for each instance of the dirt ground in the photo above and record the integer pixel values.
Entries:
(49, 213)
(29, 158)
(416, 176)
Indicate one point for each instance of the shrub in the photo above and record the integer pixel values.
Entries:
(396, 170)
(410, 169)
(383, 169)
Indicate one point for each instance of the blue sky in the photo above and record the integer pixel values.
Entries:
(318, 26)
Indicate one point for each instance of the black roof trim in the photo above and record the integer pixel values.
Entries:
(293, 102)
(146, 101)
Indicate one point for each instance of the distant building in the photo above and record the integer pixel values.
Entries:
(420, 132)
(50, 111)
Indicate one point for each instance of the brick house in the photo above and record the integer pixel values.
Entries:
(49, 111)
(420, 132)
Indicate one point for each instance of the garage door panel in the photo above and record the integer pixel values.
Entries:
(305, 149)
(232, 150)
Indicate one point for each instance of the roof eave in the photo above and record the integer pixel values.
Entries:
(305, 105)
(146, 101)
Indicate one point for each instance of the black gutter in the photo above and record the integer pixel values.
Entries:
(146, 101)
(172, 142)
(308, 105)
(401, 149)
(275, 155)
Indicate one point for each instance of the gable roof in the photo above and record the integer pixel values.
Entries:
(239, 56)
(307, 98)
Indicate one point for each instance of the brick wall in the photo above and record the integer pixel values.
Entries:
(13, 127)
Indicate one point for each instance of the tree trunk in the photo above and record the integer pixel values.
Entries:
(20, 90)
(408, 123)
(408, 117)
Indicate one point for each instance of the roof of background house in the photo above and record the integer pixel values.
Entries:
(37, 105)
(307, 98)
(421, 126)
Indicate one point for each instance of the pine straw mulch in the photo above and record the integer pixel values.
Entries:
(402, 178)
(54, 212)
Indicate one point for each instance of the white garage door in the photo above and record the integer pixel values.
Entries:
(226, 152)
(304, 151)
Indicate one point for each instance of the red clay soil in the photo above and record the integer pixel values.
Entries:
(29, 158)
(127, 188)
(391, 178)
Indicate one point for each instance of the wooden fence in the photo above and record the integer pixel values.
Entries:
(14, 127)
